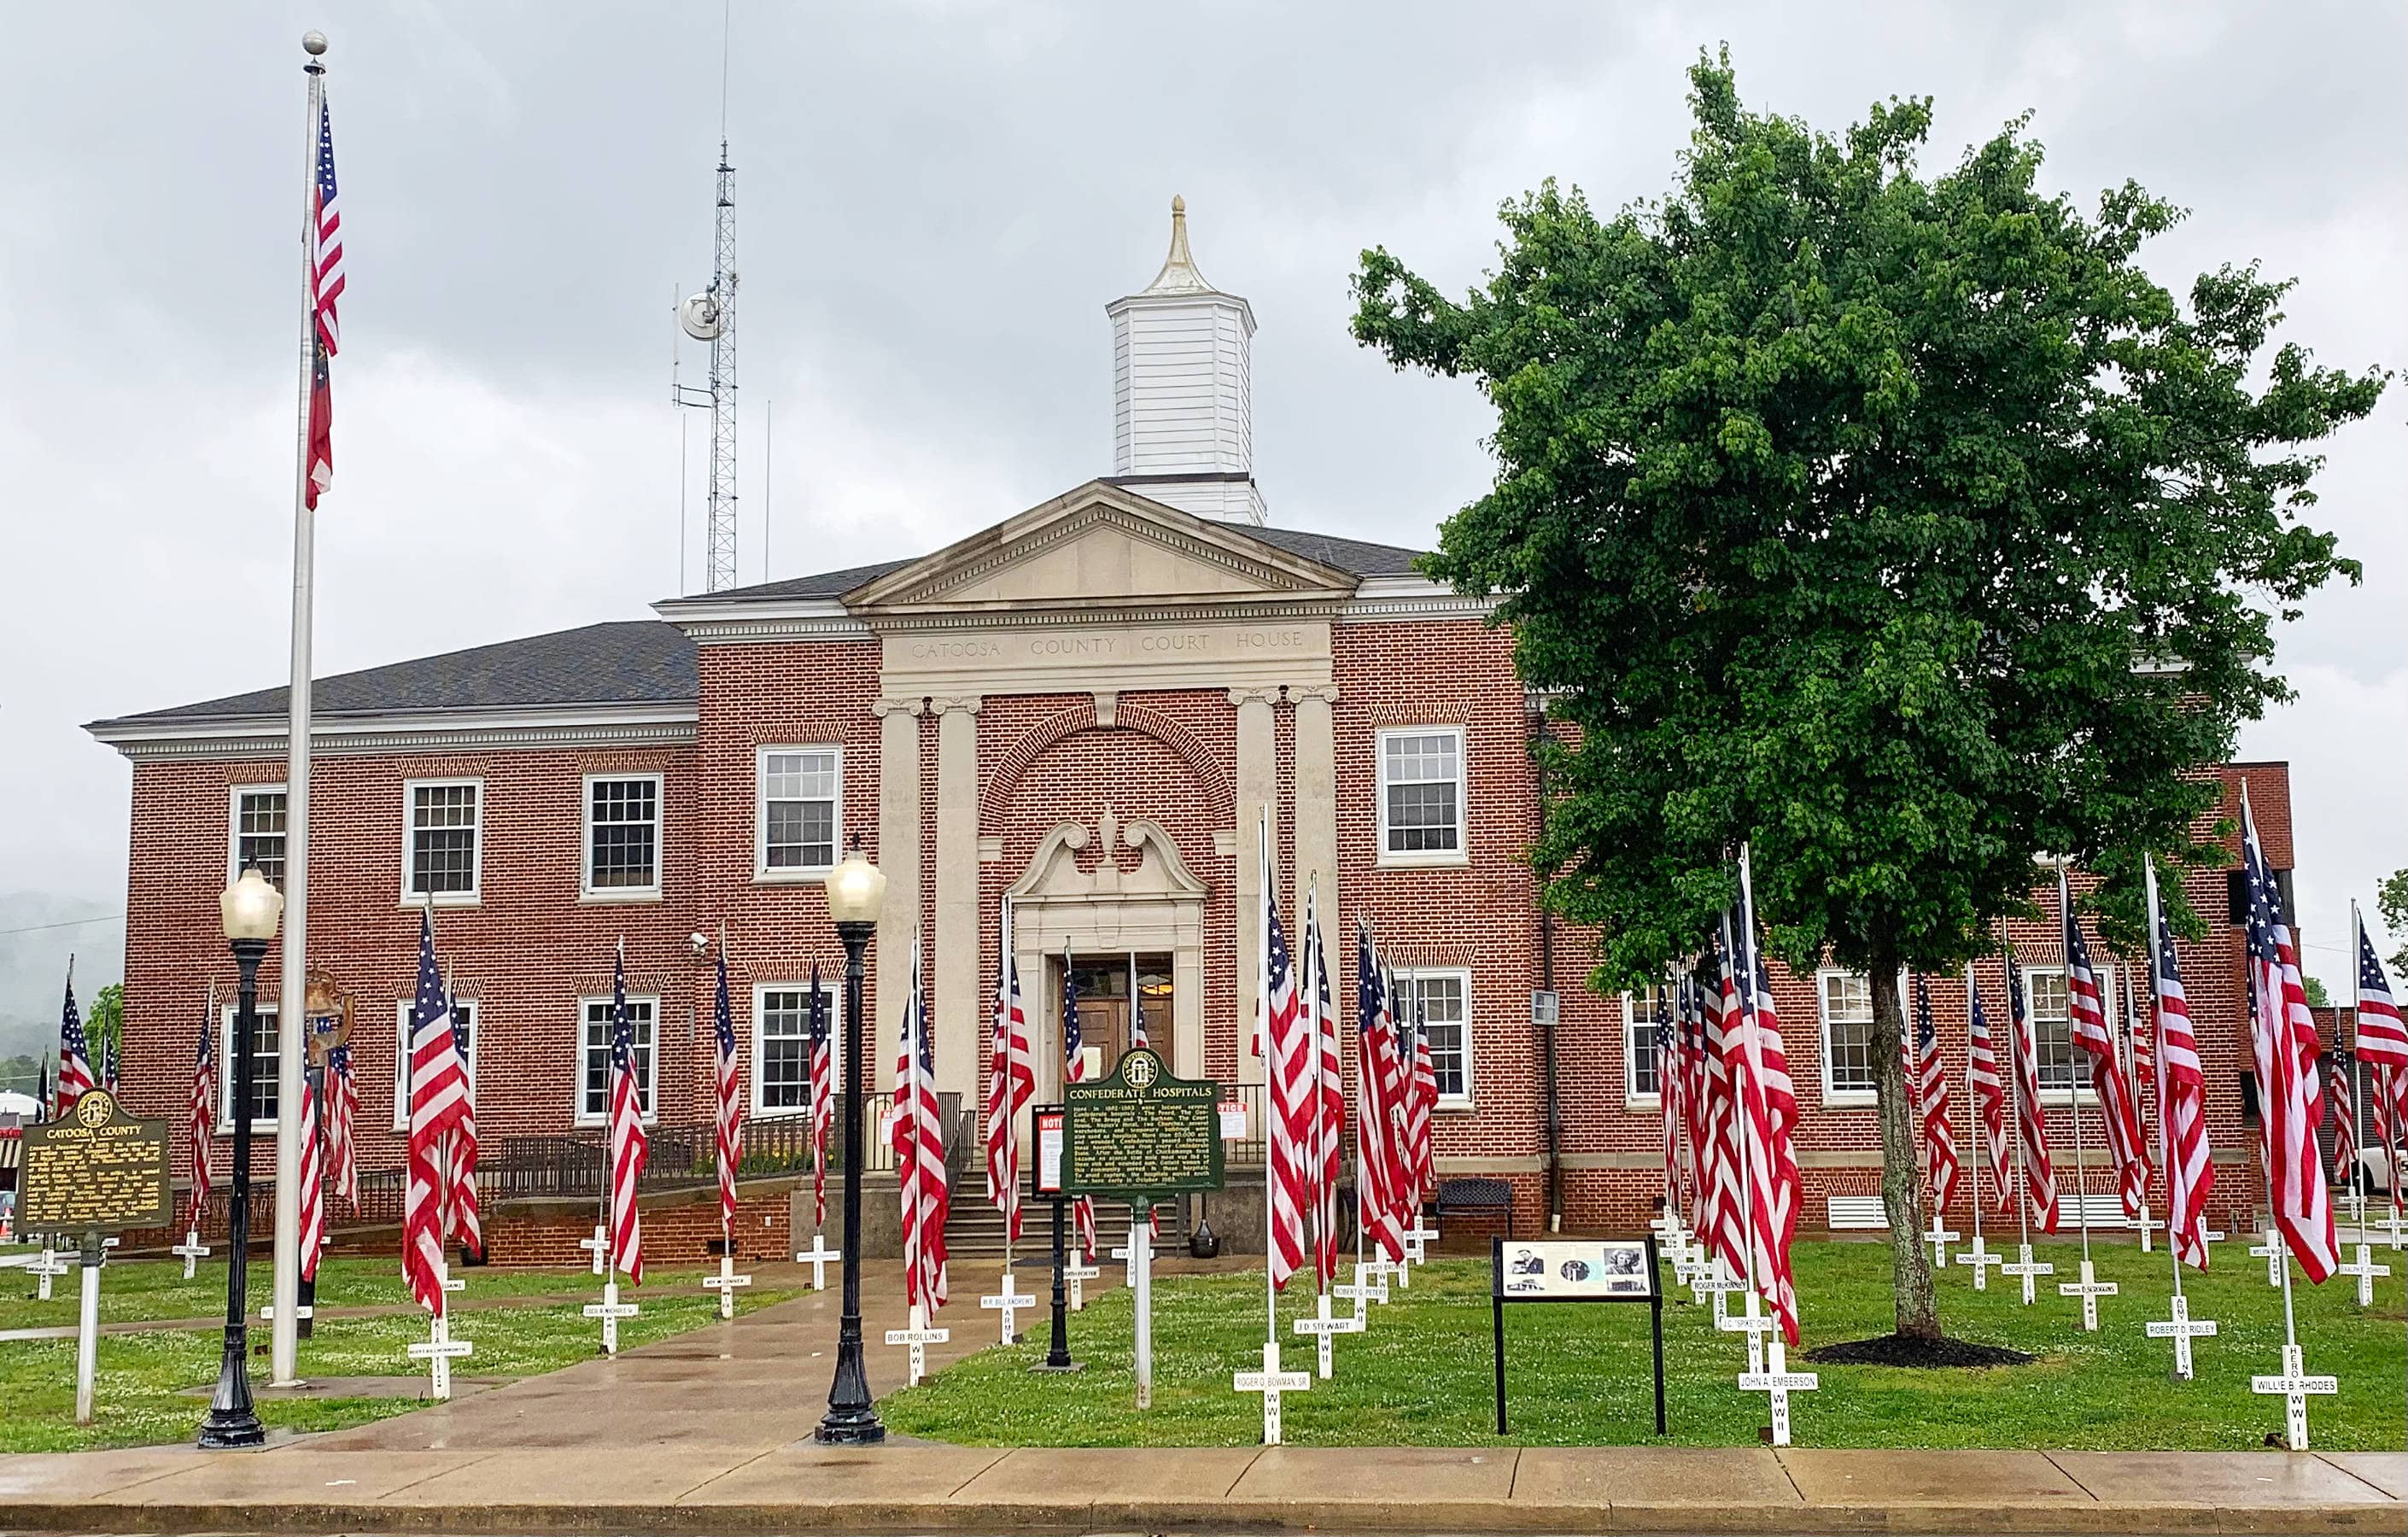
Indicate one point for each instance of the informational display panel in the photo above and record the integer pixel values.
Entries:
(1140, 1132)
(96, 1170)
(1576, 1271)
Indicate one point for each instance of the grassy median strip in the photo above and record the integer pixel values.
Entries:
(1578, 1374)
(140, 1395)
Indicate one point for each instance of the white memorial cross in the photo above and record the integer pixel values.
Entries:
(1078, 1276)
(919, 1337)
(1981, 1258)
(1418, 1238)
(2147, 1224)
(1271, 1381)
(1370, 1283)
(726, 1283)
(2089, 1288)
(2273, 1253)
(2181, 1329)
(611, 1310)
(2294, 1385)
(1940, 1237)
(302, 1310)
(2027, 1268)
(440, 1350)
(1777, 1382)
(192, 1251)
(819, 1256)
(599, 1242)
(2366, 1269)
(49, 1265)
(1008, 1301)
(1324, 1326)
(1127, 1254)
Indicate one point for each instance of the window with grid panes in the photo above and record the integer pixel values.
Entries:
(623, 835)
(1445, 999)
(1640, 1058)
(782, 1020)
(263, 1070)
(1847, 1033)
(593, 1102)
(465, 1011)
(799, 808)
(2061, 1068)
(259, 833)
(443, 840)
(1421, 792)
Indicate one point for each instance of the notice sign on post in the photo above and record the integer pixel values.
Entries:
(1140, 1132)
(1589, 1269)
(98, 1170)
(1049, 1152)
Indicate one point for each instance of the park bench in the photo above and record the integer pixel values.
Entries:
(1476, 1198)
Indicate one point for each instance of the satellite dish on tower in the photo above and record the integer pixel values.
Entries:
(700, 317)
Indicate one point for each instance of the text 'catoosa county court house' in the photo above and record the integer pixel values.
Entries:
(1084, 707)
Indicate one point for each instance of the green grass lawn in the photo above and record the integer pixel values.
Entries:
(1578, 1374)
(140, 1397)
(145, 1290)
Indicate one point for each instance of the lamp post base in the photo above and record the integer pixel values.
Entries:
(850, 1428)
(233, 1424)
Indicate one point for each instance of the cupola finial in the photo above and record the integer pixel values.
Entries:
(1179, 274)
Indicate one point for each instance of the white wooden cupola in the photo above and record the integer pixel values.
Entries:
(1182, 390)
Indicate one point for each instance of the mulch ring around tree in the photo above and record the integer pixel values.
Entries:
(1913, 1350)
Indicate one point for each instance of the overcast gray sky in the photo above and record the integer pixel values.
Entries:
(935, 202)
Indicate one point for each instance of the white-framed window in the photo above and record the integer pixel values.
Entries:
(1445, 1001)
(1847, 999)
(781, 1066)
(255, 832)
(800, 822)
(2063, 1070)
(1421, 796)
(594, 1057)
(442, 840)
(1641, 1064)
(623, 838)
(263, 1070)
(467, 1009)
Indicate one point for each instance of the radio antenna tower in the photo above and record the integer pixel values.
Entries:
(711, 316)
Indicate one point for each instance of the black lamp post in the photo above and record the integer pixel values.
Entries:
(251, 908)
(855, 889)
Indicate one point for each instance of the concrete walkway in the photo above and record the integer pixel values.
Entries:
(710, 1433)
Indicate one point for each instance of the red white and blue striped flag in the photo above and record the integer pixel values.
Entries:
(1010, 1084)
(2190, 1176)
(342, 1126)
(1989, 1093)
(1940, 1165)
(820, 1064)
(1768, 1102)
(313, 1179)
(2086, 1009)
(75, 1053)
(1329, 1092)
(467, 1220)
(1074, 1070)
(731, 1099)
(438, 1097)
(1291, 1055)
(2283, 1039)
(201, 1118)
(1376, 1176)
(918, 1148)
(2031, 1119)
(325, 237)
(2382, 1045)
(629, 1147)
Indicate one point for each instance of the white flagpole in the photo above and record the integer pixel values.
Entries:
(285, 1339)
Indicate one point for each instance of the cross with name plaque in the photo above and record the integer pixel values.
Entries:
(1940, 1237)
(611, 1310)
(2366, 1269)
(2295, 1385)
(1777, 1382)
(2181, 1329)
(599, 1244)
(192, 1251)
(1078, 1276)
(1271, 1381)
(1369, 1285)
(2147, 1224)
(819, 1256)
(2273, 1253)
(2089, 1288)
(1980, 1258)
(726, 1283)
(1008, 1301)
(1324, 1326)
(49, 1265)
(919, 1336)
(439, 1350)
(2026, 1268)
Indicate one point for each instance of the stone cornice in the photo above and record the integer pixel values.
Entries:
(648, 726)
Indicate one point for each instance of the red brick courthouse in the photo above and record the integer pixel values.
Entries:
(1083, 707)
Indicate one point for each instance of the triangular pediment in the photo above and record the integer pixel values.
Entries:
(1100, 546)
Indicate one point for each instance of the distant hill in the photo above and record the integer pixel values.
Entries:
(38, 930)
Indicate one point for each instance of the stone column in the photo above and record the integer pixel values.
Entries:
(1257, 793)
(960, 997)
(898, 856)
(1316, 814)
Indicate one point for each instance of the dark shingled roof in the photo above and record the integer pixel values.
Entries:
(635, 661)
(823, 584)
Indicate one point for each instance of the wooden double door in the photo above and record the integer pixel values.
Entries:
(1118, 992)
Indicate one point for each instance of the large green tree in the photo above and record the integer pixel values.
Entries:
(1902, 527)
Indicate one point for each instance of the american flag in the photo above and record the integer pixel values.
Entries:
(1989, 1092)
(2382, 1044)
(731, 1100)
(326, 239)
(75, 1053)
(1724, 1205)
(1291, 1056)
(1688, 1065)
(314, 1177)
(342, 1126)
(918, 1148)
(1939, 1136)
(2032, 1120)
(820, 1064)
(1375, 1171)
(627, 1144)
(1425, 1071)
(2345, 1116)
(1769, 1103)
(2086, 1007)
(1330, 1106)
(1074, 1070)
(2190, 1176)
(201, 1118)
(1667, 1096)
(108, 1059)
(1010, 1084)
(2283, 1038)
(467, 1219)
(438, 1097)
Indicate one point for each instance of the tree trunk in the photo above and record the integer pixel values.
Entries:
(1917, 1303)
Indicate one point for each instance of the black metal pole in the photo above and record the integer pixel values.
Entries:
(1057, 1352)
(851, 1417)
(231, 1422)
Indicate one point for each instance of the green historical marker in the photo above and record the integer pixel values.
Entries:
(1140, 1133)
